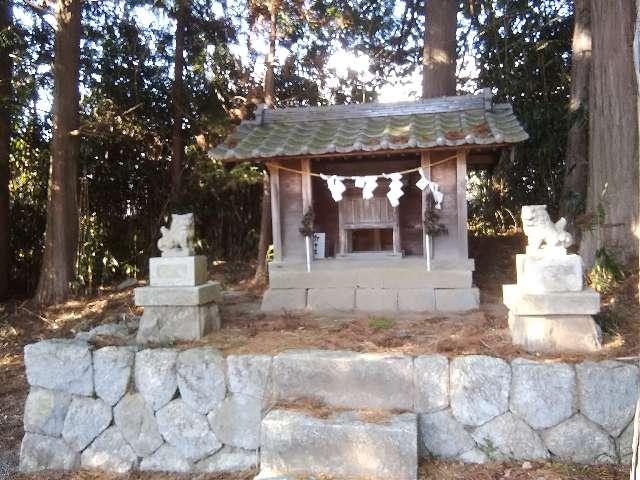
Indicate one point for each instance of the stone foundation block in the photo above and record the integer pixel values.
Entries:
(63, 365)
(555, 333)
(323, 299)
(586, 302)
(281, 300)
(344, 379)
(39, 452)
(166, 324)
(542, 274)
(416, 300)
(422, 278)
(376, 300)
(177, 271)
(209, 292)
(286, 279)
(343, 446)
(457, 299)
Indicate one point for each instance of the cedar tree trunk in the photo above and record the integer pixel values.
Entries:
(177, 94)
(574, 190)
(439, 54)
(61, 236)
(269, 100)
(613, 133)
(6, 21)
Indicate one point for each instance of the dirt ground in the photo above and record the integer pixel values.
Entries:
(246, 330)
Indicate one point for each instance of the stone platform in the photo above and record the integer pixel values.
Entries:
(121, 408)
(383, 284)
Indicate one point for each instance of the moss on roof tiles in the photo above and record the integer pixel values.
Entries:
(450, 121)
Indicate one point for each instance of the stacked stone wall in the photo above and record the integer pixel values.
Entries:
(122, 408)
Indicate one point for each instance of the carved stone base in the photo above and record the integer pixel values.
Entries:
(543, 273)
(177, 271)
(160, 324)
(555, 333)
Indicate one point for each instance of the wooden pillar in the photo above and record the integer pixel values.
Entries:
(274, 175)
(425, 163)
(461, 202)
(307, 196)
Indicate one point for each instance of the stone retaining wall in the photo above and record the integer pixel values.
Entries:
(123, 408)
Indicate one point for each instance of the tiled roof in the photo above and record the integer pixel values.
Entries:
(449, 121)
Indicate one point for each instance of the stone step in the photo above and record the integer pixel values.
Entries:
(345, 445)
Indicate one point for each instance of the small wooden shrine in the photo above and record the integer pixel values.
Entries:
(371, 173)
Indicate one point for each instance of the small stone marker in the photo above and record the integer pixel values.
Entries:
(549, 308)
(179, 303)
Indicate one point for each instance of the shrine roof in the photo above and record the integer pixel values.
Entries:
(469, 120)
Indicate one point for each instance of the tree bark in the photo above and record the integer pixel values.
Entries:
(439, 53)
(574, 190)
(269, 100)
(177, 94)
(265, 231)
(61, 236)
(613, 133)
(269, 76)
(6, 23)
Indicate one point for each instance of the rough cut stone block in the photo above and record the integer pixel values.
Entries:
(39, 452)
(542, 274)
(442, 435)
(177, 271)
(110, 452)
(165, 459)
(345, 379)
(209, 292)
(118, 331)
(137, 423)
(63, 365)
(343, 446)
(507, 437)
(376, 300)
(201, 378)
(323, 299)
(45, 411)
(555, 333)
(416, 300)
(228, 459)
(457, 299)
(281, 300)
(579, 440)
(155, 375)
(431, 380)
(162, 324)
(248, 374)
(236, 421)
(187, 431)
(112, 371)
(543, 394)
(624, 443)
(479, 388)
(586, 302)
(608, 392)
(86, 419)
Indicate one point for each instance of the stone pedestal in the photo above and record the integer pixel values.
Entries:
(550, 311)
(178, 304)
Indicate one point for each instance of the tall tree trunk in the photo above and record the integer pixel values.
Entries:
(613, 133)
(269, 100)
(177, 94)
(6, 22)
(265, 231)
(574, 190)
(269, 76)
(61, 236)
(439, 53)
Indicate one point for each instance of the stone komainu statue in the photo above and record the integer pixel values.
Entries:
(539, 228)
(177, 241)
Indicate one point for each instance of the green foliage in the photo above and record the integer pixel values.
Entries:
(606, 273)
(306, 227)
(381, 323)
(431, 220)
